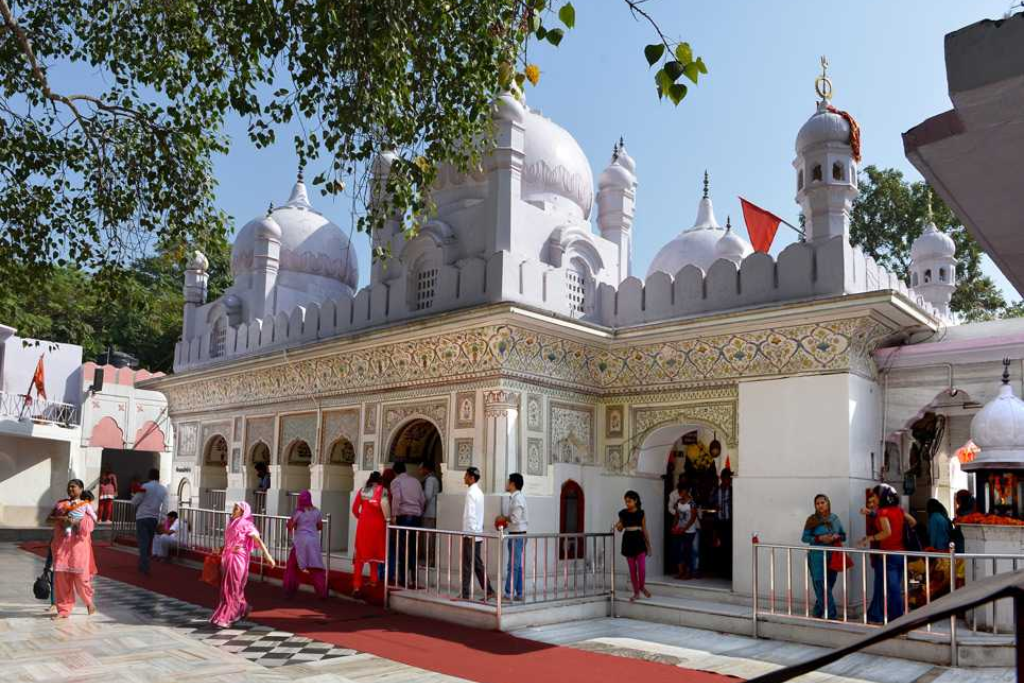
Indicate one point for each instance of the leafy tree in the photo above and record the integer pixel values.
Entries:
(99, 177)
(890, 213)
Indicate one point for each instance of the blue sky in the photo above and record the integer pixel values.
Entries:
(740, 123)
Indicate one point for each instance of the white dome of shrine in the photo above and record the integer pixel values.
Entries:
(310, 243)
(555, 169)
(732, 247)
(932, 244)
(998, 430)
(823, 127)
(698, 245)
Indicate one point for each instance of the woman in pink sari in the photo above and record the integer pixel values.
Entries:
(73, 562)
(240, 538)
(306, 554)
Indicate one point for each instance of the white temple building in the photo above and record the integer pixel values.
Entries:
(511, 334)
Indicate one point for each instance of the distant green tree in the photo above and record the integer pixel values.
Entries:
(890, 213)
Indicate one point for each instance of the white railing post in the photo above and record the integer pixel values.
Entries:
(953, 653)
(754, 591)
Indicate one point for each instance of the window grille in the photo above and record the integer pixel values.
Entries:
(218, 337)
(576, 286)
(426, 285)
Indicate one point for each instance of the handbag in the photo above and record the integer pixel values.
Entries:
(839, 562)
(41, 587)
(211, 569)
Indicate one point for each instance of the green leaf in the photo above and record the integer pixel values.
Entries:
(653, 53)
(568, 15)
(555, 36)
(674, 70)
(700, 65)
(535, 22)
(684, 53)
(691, 71)
(676, 92)
(540, 33)
(664, 80)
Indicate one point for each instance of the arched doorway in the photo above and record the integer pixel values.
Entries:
(417, 442)
(184, 493)
(692, 453)
(336, 488)
(213, 482)
(295, 476)
(571, 519)
(258, 456)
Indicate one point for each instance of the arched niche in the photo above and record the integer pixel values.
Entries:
(571, 520)
(213, 477)
(295, 475)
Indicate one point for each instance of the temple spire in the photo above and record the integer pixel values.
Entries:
(707, 184)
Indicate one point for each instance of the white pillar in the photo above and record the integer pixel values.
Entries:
(501, 413)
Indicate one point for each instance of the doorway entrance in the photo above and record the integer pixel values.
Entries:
(690, 453)
(416, 443)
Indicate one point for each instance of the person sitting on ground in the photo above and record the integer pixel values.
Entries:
(167, 536)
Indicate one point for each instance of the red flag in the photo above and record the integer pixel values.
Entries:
(39, 380)
(761, 225)
(727, 465)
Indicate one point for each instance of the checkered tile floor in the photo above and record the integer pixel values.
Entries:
(260, 644)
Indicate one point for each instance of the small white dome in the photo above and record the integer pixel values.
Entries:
(824, 127)
(998, 430)
(199, 262)
(733, 247)
(310, 243)
(932, 244)
(620, 172)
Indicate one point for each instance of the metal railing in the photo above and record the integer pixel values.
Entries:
(24, 407)
(443, 564)
(205, 534)
(901, 582)
(122, 520)
(213, 499)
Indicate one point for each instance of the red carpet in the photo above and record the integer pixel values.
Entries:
(477, 655)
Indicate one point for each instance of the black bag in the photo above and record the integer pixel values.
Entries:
(41, 587)
(957, 536)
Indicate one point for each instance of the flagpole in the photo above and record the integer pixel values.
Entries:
(800, 232)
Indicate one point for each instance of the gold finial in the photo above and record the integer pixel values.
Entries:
(706, 184)
(822, 84)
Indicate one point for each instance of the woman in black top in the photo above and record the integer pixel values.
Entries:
(636, 545)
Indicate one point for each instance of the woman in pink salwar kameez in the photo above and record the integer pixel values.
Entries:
(73, 562)
(306, 554)
(240, 538)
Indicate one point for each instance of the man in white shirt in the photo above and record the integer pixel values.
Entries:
(149, 504)
(516, 524)
(473, 525)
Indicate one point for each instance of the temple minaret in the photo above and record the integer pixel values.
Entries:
(616, 202)
(266, 261)
(196, 278)
(933, 265)
(827, 153)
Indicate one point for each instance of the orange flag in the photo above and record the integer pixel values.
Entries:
(761, 225)
(39, 380)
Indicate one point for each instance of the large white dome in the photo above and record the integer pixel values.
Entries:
(555, 169)
(699, 245)
(310, 243)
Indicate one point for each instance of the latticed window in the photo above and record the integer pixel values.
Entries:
(426, 285)
(218, 338)
(576, 287)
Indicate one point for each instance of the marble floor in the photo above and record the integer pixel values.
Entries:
(744, 657)
(141, 636)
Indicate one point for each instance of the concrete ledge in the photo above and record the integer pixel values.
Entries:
(485, 616)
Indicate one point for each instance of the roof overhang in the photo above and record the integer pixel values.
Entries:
(973, 155)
